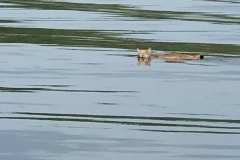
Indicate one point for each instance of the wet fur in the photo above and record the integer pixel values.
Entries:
(173, 56)
(144, 53)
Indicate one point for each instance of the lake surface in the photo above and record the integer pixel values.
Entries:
(71, 85)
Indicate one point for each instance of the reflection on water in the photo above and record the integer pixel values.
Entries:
(144, 62)
(9, 89)
(138, 121)
(72, 87)
(147, 62)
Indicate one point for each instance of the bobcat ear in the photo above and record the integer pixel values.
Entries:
(149, 50)
(138, 49)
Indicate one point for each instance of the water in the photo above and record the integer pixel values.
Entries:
(72, 87)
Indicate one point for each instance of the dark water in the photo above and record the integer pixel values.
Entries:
(71, 85)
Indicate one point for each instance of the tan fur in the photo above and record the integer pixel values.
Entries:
(175, 56)
(179, 56)
(144, 53)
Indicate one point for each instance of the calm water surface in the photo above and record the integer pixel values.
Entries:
(71, 85)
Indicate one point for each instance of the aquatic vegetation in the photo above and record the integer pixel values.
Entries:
(80, 92)
(227, 1)
(124, 10)
(110, 39)
(7, 21)
(37, 89)
(103, 39)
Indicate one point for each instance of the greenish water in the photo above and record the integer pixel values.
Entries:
(71, 85)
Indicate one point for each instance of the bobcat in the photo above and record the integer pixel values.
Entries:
(179, 56)
(144, 53)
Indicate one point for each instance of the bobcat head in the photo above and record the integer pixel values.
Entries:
(144, 53)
